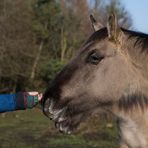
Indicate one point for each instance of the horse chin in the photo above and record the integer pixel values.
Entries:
(63, 128)
(63, 123)
(66, 125)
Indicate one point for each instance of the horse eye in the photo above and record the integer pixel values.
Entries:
(94, 58)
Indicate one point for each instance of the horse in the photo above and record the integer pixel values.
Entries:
(109, 73)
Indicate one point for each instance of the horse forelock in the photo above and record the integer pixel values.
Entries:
(98, 35)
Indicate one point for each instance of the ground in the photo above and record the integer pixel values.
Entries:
(32, 129)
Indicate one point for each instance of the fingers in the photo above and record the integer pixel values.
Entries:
(35, 93)
(40, 96)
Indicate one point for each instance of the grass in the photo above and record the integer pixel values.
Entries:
(32, 129)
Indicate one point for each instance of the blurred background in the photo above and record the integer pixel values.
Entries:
(37, 37)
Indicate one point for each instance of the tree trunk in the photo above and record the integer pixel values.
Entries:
(63, 45)
(32, 76)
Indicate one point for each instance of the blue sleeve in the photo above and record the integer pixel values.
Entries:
(18, 101)
(7, 102)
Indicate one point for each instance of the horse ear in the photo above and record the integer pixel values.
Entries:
(96, 25)
(112, 27)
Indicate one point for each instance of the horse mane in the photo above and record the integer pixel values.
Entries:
(98, 35)
(140, 39)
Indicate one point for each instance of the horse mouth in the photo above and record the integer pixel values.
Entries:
(61, 122)
(62, 128)
(58, 116)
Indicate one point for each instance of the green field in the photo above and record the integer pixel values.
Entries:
(30, 129)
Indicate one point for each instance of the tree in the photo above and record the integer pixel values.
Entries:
(39, 36)
(45, 14)
(123, 16)
(17, 41)
(102, 10)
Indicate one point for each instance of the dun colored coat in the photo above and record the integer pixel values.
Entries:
(109, 73)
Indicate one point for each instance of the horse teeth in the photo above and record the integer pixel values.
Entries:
(63, 129)
(51, 107)
(69, 132)
(58, 113)
(61, 119)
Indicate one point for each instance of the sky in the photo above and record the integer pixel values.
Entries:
(138, 10)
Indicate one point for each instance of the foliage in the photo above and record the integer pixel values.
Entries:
(38, 36)
(50, 69)
(116, 7)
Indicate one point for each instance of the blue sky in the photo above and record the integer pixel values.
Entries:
(139, 13)
(138, 10)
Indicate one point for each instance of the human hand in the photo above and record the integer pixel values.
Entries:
(35, 93)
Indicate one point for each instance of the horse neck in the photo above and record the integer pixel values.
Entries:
(136, 45)
(138, 56)
(133, 126)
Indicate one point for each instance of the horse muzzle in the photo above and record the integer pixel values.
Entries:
(57, 115)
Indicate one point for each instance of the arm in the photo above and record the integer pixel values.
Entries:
(19, 101)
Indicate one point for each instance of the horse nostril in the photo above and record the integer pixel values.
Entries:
(61, 119)
(50, 118)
